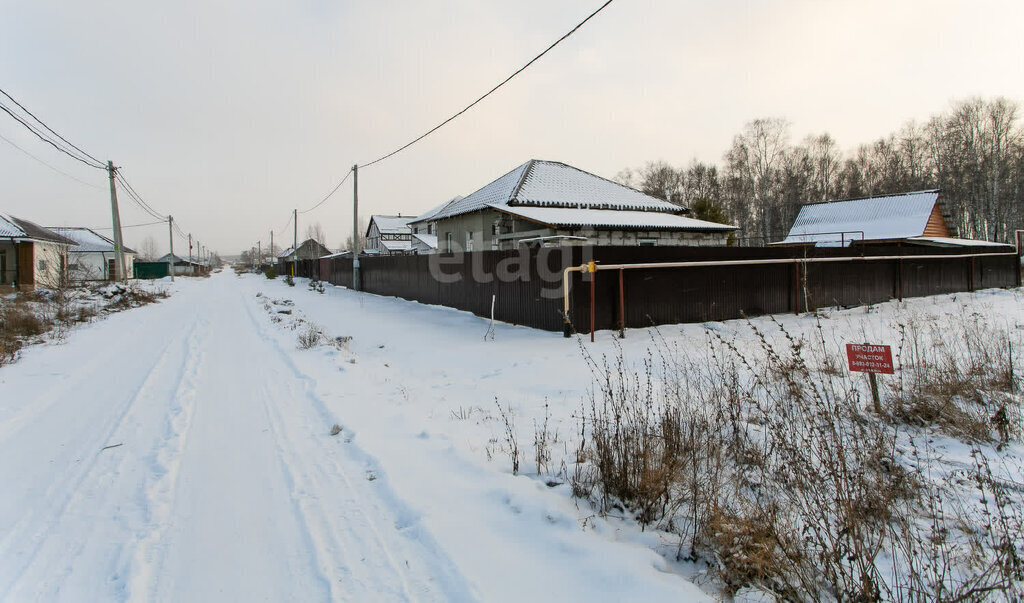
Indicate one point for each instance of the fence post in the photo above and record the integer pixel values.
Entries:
(622, 307)
(796, 288)
(593, 279)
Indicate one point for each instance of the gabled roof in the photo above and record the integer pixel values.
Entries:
(539, 183)
(431, 213)
(887, 217)
(397, 245)
(427, 240)
(177, 260)
(390, 224)
(608, 218)
(16, 228)
(88, 240)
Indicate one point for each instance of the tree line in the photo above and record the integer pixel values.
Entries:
(974, 152)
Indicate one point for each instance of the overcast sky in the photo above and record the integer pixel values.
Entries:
(230, 113)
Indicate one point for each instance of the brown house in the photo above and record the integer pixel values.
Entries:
(31, 255)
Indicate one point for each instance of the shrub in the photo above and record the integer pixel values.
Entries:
(270, 273)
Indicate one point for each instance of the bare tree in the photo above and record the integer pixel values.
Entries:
(316, 232)
(148, 250)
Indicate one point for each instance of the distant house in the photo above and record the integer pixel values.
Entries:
(550, 203)
(917, 218)
(309, 249)
(94, 257)
(182, 266)
(389, 235)
(31, 255)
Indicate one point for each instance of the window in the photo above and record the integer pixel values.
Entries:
(469, 241)
(42, 265)
(647, 242)
(448, 242)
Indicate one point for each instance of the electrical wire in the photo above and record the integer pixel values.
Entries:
(59, 171)
(324, 200)
(136, 197)
(489, 92)
(46, 139)
(99, 163)
(131, 225)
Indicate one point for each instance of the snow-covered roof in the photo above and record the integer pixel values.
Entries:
(89, 241)
(9, 229)
(431, 213)
(559, 216)
(286, 253)
(391, 224)
(397, 245)
(871, 219)
(428, 240)
(538, 183)
(16, 228)
(951, 242)
(177, 259)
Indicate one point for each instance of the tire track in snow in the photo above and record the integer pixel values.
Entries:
(166, 460)
(425, 573)
(46, 518)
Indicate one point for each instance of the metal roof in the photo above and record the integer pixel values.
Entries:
(432, 212)
(16, 228)
(88, 240)
(391, 224)
(538, 183)
(609, 218)
(885, 217)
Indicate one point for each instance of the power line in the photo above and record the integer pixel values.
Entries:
(489, 92)
(131, 225)
(98, 162)
(324, 200)
(136, 197)
(59, 171)
(46, 139)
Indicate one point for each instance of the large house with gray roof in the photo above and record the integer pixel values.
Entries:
(544, 203)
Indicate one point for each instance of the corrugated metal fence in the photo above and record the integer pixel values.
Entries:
(526, 284)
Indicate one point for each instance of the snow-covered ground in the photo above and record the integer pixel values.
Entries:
(183, 451)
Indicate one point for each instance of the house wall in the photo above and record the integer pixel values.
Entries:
(50, 261)
(8, 264)
(490, 229)
(94, 265)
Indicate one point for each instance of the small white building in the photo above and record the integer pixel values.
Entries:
(94, 257)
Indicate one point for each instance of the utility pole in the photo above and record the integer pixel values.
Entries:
(170, 236)
(116, 217)
(356, 284)
(295, 238)
(272, 258)
(190, 265)
(259, 254)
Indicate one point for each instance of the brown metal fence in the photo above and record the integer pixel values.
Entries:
(526, 284)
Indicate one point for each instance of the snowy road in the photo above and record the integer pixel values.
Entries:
(182, 452)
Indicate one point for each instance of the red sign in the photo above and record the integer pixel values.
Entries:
(867, 358)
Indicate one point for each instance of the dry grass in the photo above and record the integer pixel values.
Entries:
(770, 467)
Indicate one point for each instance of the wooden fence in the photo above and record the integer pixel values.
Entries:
(526, 284)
